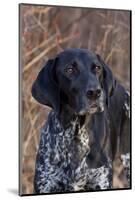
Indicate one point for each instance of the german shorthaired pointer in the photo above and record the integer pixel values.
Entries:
(88, 125)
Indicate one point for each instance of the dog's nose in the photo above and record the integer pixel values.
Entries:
(93, 93)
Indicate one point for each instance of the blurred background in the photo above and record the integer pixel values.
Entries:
(44, 32)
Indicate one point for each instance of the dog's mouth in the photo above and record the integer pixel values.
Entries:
(96, 108)
(91, 109)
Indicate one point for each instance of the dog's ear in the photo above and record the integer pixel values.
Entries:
(96, 158)
(98, 142)
(45, 88)
(108, 80)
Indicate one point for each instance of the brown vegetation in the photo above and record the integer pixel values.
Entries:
(45, 31)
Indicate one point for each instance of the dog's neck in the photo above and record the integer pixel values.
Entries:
(67, 116)
(74, 138)
(79, 139)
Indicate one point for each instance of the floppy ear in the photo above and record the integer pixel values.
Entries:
(96, 158)
(45, 89)
(108, 80)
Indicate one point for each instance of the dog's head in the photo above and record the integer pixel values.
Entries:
(77, 78)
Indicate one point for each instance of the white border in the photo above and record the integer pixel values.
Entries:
(9, 97)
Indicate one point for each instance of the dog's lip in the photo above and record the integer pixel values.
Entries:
(93, 105)
(93, 108)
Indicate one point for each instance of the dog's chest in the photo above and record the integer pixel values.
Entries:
(66, 148)
(63, 156)
(74, 142)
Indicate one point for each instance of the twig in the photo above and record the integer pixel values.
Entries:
(43, 53)
(39, 24)
(40, 45)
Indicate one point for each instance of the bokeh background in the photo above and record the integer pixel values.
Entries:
(44, 32)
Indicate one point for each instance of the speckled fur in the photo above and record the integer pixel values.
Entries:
(125, 158)
(61, 160)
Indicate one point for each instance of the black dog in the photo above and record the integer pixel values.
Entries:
(88, 125)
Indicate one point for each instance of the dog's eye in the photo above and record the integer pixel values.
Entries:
(97, 68)
(69, 70)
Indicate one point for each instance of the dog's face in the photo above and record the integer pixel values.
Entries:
(77, 78)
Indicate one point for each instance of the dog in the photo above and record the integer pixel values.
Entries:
(88, 125)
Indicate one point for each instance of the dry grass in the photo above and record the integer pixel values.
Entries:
(45, 31)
